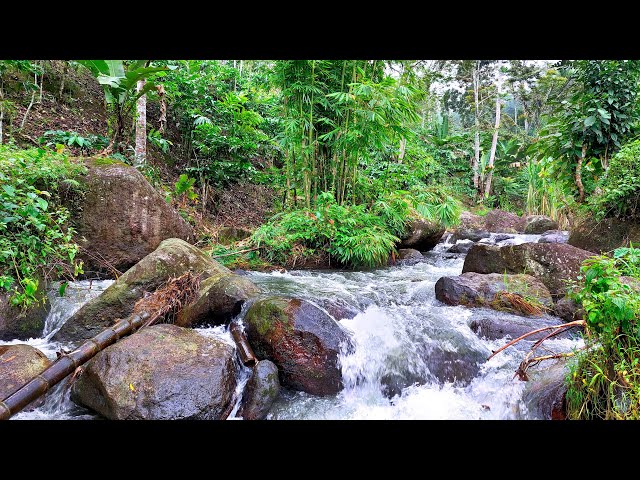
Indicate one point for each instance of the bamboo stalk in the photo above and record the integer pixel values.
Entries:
(247, 357)
(163, 302)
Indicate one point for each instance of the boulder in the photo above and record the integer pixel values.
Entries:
(554, 236)
(545, 392)
(462, 246)
(218, 300)
(301, 339)
(162, 372)
(407, 256)
(22, 324)
(552, 263)
(500, 237)
(485, 290)
(500, 221)
(261, 390)
(605, 235)
(513, 327)
(568, 310)
(473, 235)
(536, 224)
(422, 235)
(122, 218)
(339, 309)
(172, 258)
(19, 364)
(471, 222)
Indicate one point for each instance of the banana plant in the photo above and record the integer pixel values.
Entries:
(119, 82)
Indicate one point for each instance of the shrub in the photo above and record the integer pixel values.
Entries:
(620, 185)
(35, 239)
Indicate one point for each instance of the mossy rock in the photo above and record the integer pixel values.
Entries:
(23, 323)
(260, 392)
(172, 258)
(301, 339)
(19, 364)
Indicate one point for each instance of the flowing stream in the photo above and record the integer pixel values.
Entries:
(414, 357)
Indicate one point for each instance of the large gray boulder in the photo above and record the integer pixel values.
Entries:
(19, 364)
(492, 290)
(260, 392)
(605, 235)
(172, 258)
(163, 372)
(422, 235)
(553, 263)
(122, 217)
(537, 224)
(301, 339)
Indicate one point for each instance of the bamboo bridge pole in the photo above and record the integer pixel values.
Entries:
(244, 350)
(166, 299)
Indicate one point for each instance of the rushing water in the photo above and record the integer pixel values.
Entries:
(414, 357)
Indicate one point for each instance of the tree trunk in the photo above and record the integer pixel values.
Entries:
(163, 108)
(476, 143)
(579, 173)
(33, 96)
(1, 114)
(403, 146)
(494, 144)
(41, 82)
(65, 69)
(141, 127)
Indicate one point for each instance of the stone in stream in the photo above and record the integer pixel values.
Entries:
(473, 235)
(604, 235)
(301, 339)
(568, 310)
(545, 392)
(513, 327)
(122, 217)
(554, 264)
(502, 236)
(554, 236)
(23, 323)
(162, 372)
(500, 221)
(422, 235)
(172, 258)
(462, 246)
(218, 300)
(408, 256)
(261, 390)
(537, 224)
(486, 290)
(19, 364)
(339, 309)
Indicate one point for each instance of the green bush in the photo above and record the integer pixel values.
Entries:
(604, 382)
(620, 186)
(35, 240)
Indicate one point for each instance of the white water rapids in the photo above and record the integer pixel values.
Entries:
(414, 357)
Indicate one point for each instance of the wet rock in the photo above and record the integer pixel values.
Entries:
(554, 236)
(122, 218)
(552, 263)
(514, 326)
(473, 235)
(470, 221)
(537, 224)
(260, 392)
(486, 290)
(407, 256)
(462, 246)
(22, 324)
(19, 364)
(339, 309)
(500, 221)
(545, 392)
(163, 372)
(301, 339)
(172, 258)
(568, 310)
(219, 299)
(604, 235)
(422, 235)
(502, 236)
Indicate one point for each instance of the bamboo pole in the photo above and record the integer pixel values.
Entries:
(245, 352)
(163, 302)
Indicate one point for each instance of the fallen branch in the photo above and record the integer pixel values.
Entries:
(565, 326)
(236, 253)
(164, 303)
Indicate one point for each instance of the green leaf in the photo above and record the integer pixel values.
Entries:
(63, 288)
(589, 121)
